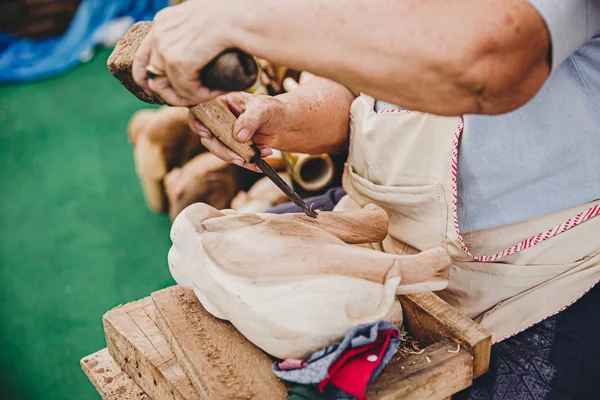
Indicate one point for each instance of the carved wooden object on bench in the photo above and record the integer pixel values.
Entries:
(293, 284)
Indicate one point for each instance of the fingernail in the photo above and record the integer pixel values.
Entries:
(265, 152)
(203, 133)
(238, 161)
(243, 135)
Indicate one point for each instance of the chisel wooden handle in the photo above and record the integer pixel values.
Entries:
(219, 120)
(232, 70)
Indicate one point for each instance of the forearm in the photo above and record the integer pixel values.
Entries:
(317, 114)
(442, 57)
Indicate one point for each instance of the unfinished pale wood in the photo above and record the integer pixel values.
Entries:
(436, 374)
(213, 113)
(263, 195)
(289, 283)
(220, 362)
(162, 140)
(207, 179)
(430, 319)
(110, 381)
(137, 344)
(370, 225)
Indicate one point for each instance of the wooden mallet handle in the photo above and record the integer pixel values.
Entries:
(232, 70)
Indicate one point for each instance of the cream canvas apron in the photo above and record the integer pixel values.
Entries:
(507, 278)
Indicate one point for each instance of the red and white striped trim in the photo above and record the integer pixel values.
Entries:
(529, 242)
(393, 110)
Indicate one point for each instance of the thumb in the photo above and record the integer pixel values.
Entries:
(249, 121)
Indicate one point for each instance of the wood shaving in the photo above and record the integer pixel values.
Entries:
(408, 345)
(455, 351)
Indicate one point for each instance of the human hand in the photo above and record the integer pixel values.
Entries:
(182, 40)
(260, 118)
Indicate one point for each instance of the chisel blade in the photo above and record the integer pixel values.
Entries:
(285, 188)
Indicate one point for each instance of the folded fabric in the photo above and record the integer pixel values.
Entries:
(353, 371)
(24, 59)
(349, 365)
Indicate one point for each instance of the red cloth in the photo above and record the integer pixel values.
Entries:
(352, 371)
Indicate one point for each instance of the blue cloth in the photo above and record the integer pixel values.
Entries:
(324, 202)
(24, 60)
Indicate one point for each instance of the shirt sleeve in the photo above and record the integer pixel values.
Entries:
(571, 23)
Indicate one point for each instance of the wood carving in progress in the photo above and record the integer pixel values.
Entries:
(292, 284)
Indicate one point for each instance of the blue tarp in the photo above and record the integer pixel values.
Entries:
(25, 60)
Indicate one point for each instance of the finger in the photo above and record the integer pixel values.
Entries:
(265, 151)
(251, 120)
(253, 167)
(161, 85)
(220, 150)
(236, 102)
(185, 81)
(140, 62)
(198, 127)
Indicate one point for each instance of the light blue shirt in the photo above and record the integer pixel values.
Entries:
(545, 156)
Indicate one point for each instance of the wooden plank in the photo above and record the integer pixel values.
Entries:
(430, 320)
(110, 381)
(138, 346)
(439, 372)
(220, 361)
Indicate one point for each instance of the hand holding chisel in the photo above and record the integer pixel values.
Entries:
(232, 70)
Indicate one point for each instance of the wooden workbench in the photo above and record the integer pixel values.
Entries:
(167, 346)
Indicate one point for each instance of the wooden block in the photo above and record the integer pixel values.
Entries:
(220, 361)
(110, 381)
(436, 374)
(138, 346)
(430, 320)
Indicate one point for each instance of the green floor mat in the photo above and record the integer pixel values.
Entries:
(76, 238)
